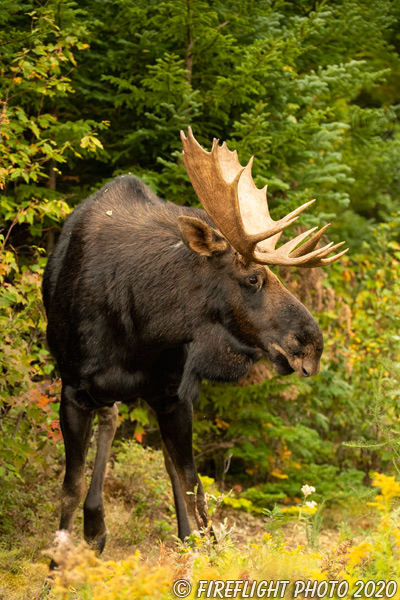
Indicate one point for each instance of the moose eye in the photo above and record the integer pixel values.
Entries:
(253, 279)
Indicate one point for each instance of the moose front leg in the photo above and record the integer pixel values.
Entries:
(176, 430)
(180, 503)
(93, 508)
(76, 427)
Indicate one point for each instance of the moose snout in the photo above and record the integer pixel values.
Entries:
(308, 367)
(304, 366)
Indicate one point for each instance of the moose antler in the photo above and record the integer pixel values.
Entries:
(240, 210)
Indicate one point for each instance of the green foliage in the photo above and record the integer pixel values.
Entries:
(386, 427)
(142, 470)
(141, 486)
(287, 85)
(36, 60)
(34, 78)
(28, 409)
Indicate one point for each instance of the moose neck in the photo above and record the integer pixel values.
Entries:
(180, 296)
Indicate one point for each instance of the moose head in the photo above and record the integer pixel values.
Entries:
(267, 317)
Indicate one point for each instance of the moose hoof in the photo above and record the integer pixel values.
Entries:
(100, 543)
(97, 544)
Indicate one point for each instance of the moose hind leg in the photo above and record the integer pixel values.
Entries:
(94, 525)
(76, 427)
(176, 431)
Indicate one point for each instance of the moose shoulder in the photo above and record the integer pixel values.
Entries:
(145, 299)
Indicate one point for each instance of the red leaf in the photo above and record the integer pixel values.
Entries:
(55, 433)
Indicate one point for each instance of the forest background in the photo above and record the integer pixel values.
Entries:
(95, 89)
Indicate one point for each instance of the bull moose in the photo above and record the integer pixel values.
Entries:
(145, 299)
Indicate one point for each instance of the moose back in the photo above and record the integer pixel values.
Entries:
(145, 299)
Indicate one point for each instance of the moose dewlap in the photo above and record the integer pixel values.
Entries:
(145, 299)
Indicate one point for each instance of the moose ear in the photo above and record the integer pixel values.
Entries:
(200, 237)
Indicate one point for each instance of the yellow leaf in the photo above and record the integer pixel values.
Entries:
(277, 473)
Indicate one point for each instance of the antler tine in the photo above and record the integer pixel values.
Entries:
(329, 261)
(240, 210)
(291, 245)
(269, 245)
(311, 243)
(323, 262)
(312, 259)
(282, 257)
(300, 209)
(303, 255)
(317, 260)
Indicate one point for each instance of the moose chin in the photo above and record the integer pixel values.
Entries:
(146, 299)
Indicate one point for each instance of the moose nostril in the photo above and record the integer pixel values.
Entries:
(304, 372)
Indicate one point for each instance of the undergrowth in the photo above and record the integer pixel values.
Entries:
(282, 543)
(375, 557)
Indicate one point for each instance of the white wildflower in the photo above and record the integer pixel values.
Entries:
(311, 504)
(307, 490)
